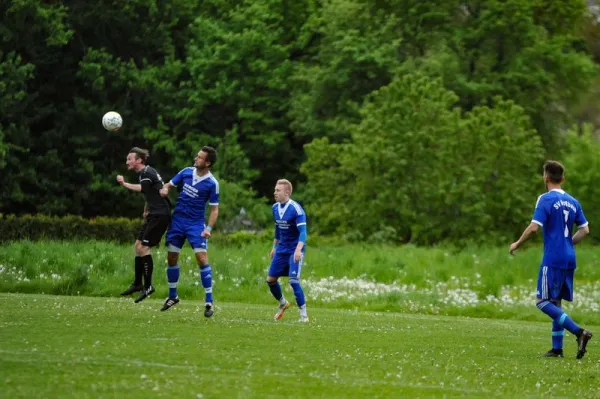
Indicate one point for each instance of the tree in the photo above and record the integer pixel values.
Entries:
(419, 171)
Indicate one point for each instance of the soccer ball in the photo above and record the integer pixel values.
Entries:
(112, 121)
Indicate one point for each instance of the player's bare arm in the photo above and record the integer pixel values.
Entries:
(133, 187)
(580, 234)
(527, 233)
(212, 220)
(274, 249)
(164, 191)
(298, 251)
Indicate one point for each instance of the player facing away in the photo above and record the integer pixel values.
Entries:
(198, 186)
(287, 254)
(157, 214)
(556, 212)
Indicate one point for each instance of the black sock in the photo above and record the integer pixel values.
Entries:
(139, 271)
(148, 268)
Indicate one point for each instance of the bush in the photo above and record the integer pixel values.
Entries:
(38, 227)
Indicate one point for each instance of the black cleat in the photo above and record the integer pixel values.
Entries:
(169, 303)
(582, 341)
(145, 294)
(208, 309)
(132, 290)
(554, 353)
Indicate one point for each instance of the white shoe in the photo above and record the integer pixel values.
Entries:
(303, 319)
(281, 310)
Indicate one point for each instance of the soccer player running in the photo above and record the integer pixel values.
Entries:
(556, 212)
(198, 186)
(287, 254)
(157, 214)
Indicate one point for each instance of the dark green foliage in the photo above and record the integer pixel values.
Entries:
(275, 85)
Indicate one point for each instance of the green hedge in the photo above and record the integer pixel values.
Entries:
(43, 227)
(77, 228)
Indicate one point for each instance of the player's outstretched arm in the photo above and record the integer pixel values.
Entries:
(133, 187)
(529, 231)
(580, 234)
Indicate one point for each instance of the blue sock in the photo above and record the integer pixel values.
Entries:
(206, 280)
(558, 334)
(173, 279)
(276, 290)
(298, 293)
(560, 317)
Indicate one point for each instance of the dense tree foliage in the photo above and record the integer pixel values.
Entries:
(400, 119)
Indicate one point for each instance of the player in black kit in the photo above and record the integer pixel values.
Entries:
(157, 215)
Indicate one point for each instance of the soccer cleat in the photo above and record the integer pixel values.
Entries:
(132, 289)
(303, 319)
(169, 303)
(281, 310)
(582, 342)
(145, 294)
(208, 309)
(554, 353)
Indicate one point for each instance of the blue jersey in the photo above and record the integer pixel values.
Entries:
(196, 191)
(557, 212)
(288, 217)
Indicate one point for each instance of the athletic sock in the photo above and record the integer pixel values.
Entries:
(148, 267)
(560, 317)
(139, 271)
(206, 280)
(173, 279)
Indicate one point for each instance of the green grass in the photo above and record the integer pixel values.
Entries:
(438, 281)
(82, 347)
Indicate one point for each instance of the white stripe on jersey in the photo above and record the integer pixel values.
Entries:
(216, 184)
(297, 207)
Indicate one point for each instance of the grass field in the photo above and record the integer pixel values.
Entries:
(83, 347)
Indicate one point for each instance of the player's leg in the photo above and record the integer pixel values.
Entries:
(567, 295)
(295, 271)
(550, 285)
(175, 239)
(558, 335)
(279, 267)
(200, 246)
(205, 272)
(137, 286)
(157, 224)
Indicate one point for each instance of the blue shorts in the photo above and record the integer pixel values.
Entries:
(180, 231)
(283, 265)
(555, 284)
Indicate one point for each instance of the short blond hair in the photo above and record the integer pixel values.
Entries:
(287, 183)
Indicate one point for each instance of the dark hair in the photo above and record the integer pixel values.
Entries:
(211, 155)
(554, 171)
(140, 153)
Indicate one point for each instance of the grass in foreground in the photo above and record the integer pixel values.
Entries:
(81, 347)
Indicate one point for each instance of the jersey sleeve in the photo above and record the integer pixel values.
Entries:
(213, 198)
(178, 178)
(147, 180)
(580, 219)
(540, 215)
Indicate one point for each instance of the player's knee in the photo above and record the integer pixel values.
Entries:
(294, 282)
(172, 258)
(202, 258)
(271, 280)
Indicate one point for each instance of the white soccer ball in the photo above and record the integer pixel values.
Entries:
(112, 121)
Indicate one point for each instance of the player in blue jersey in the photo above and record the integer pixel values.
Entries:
(556, 212)
(197, 187)
(157, 214)
(287, 254)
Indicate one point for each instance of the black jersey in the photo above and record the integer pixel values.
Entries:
(151, 184)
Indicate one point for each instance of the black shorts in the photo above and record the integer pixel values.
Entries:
(153, 229)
